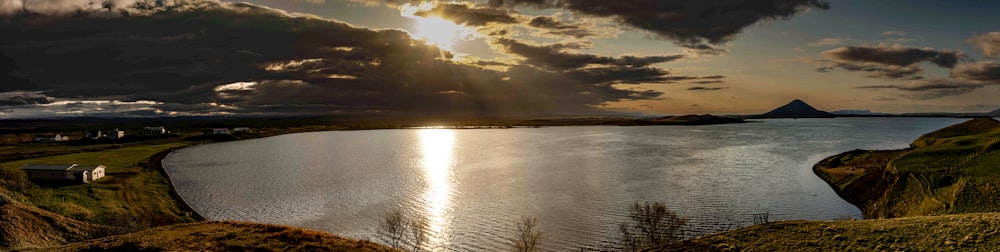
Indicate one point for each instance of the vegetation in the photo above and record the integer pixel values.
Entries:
(26, 226)
(224, 236)
(972, 232)
(526, 235)
(651, 224)
(403, 231)
(952, 170)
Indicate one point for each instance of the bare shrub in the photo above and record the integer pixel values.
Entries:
(403, 231)
(651, 224)
(526, 236)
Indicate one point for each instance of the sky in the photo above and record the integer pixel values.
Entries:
(493, 58)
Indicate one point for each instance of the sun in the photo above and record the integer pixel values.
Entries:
(439, 32)
(435, 30)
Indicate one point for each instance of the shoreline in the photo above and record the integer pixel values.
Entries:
(157, 162)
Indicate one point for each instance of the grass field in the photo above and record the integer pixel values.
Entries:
(952, 170)
(132, 190)
(969, 232)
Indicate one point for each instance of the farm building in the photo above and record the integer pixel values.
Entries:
(109, 134)
(64, 172)
(159, 130)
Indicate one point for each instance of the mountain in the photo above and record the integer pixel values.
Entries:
(796, 109)
(995, 113)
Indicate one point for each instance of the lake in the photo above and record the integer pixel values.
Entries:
(473, 184)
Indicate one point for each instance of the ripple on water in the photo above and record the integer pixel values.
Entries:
(577, 181)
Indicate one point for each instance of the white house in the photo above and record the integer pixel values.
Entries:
(159, 130)
(220, 131)
(241, 129)
(64, 172)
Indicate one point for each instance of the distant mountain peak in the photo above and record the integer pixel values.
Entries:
(995, 113)
(797, 109)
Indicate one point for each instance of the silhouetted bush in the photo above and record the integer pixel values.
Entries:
(526, 237)
(403, 231)
(651, 224)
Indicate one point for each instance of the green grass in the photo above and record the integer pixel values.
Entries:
(972, 232)
(138, 195)
(952, 170)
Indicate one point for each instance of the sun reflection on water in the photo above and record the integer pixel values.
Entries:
(436, 148)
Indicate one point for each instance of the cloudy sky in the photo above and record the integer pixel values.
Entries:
(494, 57)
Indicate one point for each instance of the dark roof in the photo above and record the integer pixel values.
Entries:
(47, 167)
(60, 167)
(89, 168)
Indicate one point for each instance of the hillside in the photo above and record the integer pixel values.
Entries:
(224, 236)
(952, 170)
(26, 226)
(979, 231)
(796, 109)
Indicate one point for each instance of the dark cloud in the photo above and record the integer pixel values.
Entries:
(558, 28)
(986, 71)
(706, 88)
(988, 43)
(22, 98)
(900, 62)
(554, 56)
(708, 82)
(894, 55)
(687, 22)
(202, 57)
(875, 70)
(932, 88)
(469, 14)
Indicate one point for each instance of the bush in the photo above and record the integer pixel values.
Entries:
(651, 224)
(14, 179)
(403, 231)
(526, 238)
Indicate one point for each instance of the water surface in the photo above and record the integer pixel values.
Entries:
(472, 185)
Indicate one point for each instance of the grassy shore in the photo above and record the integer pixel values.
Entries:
(971, 232)
(952, 170)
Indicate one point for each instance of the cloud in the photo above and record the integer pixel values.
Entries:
(16, 98)
(988, 43)
(687, 23)
(469, 14)
(988, 71)
(559, 28)
(706, 88)
(895, 55)
(212, 58)
(932, 88)
(708, 82)
(554, 56)
(965, 78)
(894, 33)
(828, 42)
(886, 61)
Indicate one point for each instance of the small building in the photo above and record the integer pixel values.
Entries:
(158, 130)
(241, 129)
(64, 172)
(114, 134)
(220, 131)
(55, 138)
